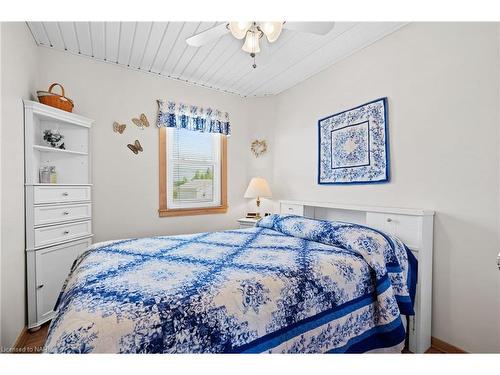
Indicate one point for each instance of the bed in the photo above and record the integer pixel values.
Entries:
(289, 285)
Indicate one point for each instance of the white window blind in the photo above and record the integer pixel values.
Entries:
(193, 169)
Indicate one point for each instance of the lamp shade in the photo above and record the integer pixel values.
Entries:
(251, 44)
(272, 30)
(258, 188)
(239, 29)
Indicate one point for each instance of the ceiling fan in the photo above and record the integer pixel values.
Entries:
(254, 31)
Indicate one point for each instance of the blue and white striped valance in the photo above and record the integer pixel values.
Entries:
(191, 117)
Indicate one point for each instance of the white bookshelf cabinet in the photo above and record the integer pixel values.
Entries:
(59, 215)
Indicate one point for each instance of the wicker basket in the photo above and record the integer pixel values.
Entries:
(55, 100)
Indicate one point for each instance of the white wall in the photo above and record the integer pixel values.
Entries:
(18, 82)
(1, 183)
(442, 81)
(261, 119)
(126, 185)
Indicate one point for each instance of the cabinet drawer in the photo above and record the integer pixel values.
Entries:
(53, 265)
(56, 214)
(61, 194)
(292, 209)
(63, 232)
(245, 225)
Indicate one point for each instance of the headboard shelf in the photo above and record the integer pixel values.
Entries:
(352, 207)
(413, 226)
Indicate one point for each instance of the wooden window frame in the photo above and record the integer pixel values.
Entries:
(164, 211)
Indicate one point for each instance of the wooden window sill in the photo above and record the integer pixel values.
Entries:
(192, 211)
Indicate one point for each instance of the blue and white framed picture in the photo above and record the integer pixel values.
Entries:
(354, 145)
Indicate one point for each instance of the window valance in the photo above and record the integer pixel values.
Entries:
(191, 117)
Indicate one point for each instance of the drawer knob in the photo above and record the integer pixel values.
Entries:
(65, 194)
(39, 286)
(389, 220)
(66, 232)
(65, 213)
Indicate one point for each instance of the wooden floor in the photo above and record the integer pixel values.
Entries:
(33, 342)
(433, 350)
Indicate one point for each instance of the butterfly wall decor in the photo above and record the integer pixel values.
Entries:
(136, 147)
(119, 128)
(141, 122)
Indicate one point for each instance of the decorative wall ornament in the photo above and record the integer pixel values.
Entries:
(353, 145)
(190, 117)
(142, 122)
(136, 147)
(119, 128)
(258, 147)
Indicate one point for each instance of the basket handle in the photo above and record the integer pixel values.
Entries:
(54, 85)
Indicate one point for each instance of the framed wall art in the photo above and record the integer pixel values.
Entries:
(353, 145)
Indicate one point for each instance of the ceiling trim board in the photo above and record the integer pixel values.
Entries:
(145, 46)
(297, 61)
(192, 52)
(190, 83)
(396, 28)
(186, 46)
(159, 48)
(202, 60)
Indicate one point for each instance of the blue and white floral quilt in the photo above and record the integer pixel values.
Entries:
(289, 285)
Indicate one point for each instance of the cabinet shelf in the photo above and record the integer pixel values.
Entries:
(54, 114)
(58, 150)
(58, 184)
(58, 217)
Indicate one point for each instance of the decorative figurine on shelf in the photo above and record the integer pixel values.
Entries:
(54, 138)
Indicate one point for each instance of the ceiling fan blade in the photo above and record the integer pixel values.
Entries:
(207, 36)
(321, 28)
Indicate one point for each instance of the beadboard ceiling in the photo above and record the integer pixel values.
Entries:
(161, 48)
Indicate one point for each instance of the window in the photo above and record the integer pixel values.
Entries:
(192, 172)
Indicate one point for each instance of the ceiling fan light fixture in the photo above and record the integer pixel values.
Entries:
(251, 44)
(271, 30)
(253, 31)
(239, 28)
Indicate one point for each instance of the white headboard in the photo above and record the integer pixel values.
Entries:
(413, 226)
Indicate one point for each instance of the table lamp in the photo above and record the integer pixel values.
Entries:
(258, 188)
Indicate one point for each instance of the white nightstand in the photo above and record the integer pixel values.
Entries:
(247, 222)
